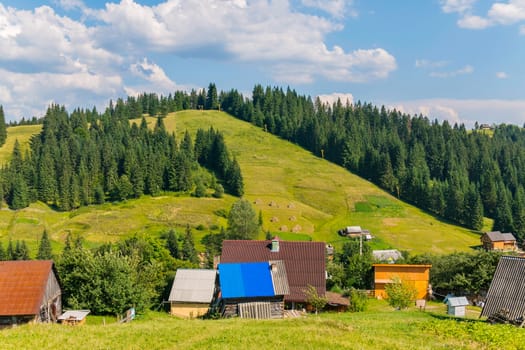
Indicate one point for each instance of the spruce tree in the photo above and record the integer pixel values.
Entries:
(188, 247)
(3, 127)
(172, 244)
(44, 248)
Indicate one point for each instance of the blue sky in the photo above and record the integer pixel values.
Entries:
(459, 60)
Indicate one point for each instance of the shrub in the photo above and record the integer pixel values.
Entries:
(400, 294)
(358, 300)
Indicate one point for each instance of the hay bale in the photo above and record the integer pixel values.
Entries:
(297, 228)
(274, 219)
(258, 201)
(283, 228)
(273, 204)
(292, 218)
(290, 206)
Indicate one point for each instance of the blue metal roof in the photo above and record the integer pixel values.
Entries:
(244, 280)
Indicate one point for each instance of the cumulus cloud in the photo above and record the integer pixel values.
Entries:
(499, 13)
(345, 98)
(466, 111)
(119, 40)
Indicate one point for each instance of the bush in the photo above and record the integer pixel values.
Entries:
(358, 300)
(400, 294)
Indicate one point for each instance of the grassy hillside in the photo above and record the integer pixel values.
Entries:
(378, 328)
(301, 196)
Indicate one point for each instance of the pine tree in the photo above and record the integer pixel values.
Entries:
(212, 101)
(44, 248)
(188, 247)
(3, 127)
(172, 244)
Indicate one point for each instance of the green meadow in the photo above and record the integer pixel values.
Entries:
(380, 327)
(300, 195)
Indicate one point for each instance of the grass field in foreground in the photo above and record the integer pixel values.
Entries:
(300, 196)
(380, 327)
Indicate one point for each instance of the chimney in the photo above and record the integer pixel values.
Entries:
(275, 245)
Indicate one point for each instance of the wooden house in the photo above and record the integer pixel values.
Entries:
(498, 241)
(305, 262)
(253, 289)
(457, 306)
(416, 275)
(506, 294)
(192, 292)
(29, 292)
(73, 317)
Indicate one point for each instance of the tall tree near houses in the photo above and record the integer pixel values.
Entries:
(243, 222)
(172, 244)
(189, 252)
(44, 248)
(3, 127)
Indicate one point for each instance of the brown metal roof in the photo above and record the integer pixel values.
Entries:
(304, 262)
(22, 286)
(507, 289)
(497, 236)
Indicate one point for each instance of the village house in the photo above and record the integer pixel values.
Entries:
(305, 262)
(29, 292)
(253, 289)
(506, 294)
(498, 241)
(416, 275)
(192, 292)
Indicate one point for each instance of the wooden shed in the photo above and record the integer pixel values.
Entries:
(192, 292)
(253, 289)
(416, 275)
(457, 306)
(29, 292)
(73, 317)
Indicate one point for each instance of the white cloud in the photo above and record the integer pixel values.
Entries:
(332, 98)
(336, 8)
(270, 33)
(449, 6)
(154, 77)
(423, 63)
(468, 69)
(467, 111)
(474, 22)
(499, 13)
(501, 75)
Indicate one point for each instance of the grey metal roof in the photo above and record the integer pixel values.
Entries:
(193, 286)
(279, 277)
(77, 315)
(507, 289)
(387, 255)
(457, 301)
(496, 236)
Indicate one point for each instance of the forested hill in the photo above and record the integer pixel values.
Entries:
(73, 162)
(457, 174)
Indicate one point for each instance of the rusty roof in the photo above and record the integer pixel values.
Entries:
(22, 286)
(304, 262)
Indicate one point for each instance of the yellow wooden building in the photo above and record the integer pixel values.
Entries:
(416, 275)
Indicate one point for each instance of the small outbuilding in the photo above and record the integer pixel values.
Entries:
(73, 317)
(497, 240)
(416, 275)
(192, 292)
(389, 256)
(456, 306)
(253, 289)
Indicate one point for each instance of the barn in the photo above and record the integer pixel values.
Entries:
(29, 292)
(192, 292)
(253, 289)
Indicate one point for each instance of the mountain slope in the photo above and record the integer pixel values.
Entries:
(294, 191)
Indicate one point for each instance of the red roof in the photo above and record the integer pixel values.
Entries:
(304, 262)
(22, 286)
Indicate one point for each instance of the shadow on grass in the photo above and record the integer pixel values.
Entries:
(456, 319)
